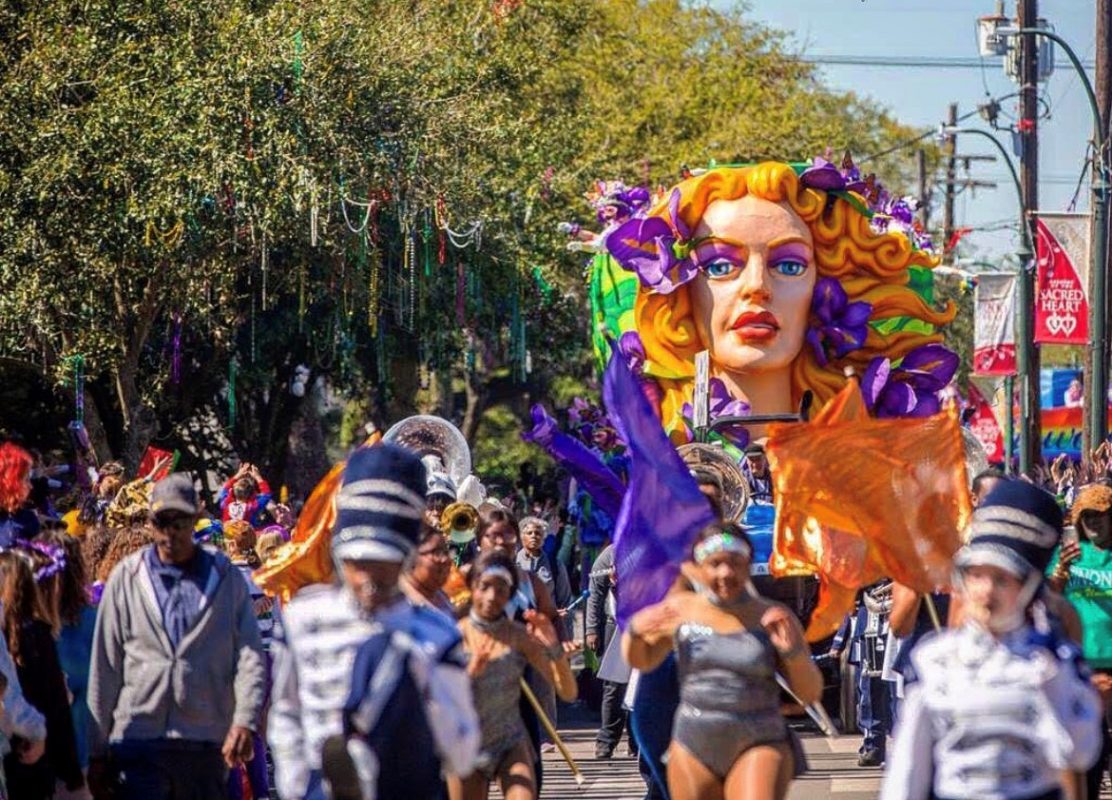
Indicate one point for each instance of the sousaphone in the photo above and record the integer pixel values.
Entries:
(702, 457)
(435, 440)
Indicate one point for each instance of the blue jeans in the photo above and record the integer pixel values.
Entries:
(658, 696)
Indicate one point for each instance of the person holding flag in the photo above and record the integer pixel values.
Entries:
(728, 737)
(1002, 704)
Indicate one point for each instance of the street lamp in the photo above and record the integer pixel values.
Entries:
(1096, 392)
(1024, 307)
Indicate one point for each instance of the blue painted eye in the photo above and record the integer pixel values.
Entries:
(790, 268)
(719, 269)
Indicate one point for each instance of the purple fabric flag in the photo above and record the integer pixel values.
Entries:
(589, 471)
(662, 511)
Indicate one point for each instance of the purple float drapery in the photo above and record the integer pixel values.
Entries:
(662, 511)
(589, 471)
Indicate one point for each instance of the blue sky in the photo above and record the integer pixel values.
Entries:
(920, 96)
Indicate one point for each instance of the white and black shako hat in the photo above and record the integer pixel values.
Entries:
(1016, 527)
(380, 505)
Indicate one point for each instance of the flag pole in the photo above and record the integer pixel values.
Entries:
(548, 726)
(933, 611)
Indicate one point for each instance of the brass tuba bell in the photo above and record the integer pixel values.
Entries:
(460, 522)
(708, 458)
(434, 439)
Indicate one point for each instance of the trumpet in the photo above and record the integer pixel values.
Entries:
(460, 522)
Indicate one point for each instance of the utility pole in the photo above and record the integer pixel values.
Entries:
(1103, 92)
(924, 190)
(1030, 439)
(951, 178)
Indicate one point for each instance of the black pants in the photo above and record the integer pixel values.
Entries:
(614, 718)
(168, 769)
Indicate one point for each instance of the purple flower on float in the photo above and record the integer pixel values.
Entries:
(544, 426)
(722, 404)
(657, 249)
(911, 389)
(888, 214)
(842, 326)
(828, 177)
(630, 346)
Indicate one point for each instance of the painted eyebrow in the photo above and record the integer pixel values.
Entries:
(788, 240)
(718, 247)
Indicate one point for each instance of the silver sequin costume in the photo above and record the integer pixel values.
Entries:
(729, 698)
(497, 694)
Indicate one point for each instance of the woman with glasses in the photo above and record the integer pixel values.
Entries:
(424, 583)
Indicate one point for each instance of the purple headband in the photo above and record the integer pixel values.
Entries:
(55, 553)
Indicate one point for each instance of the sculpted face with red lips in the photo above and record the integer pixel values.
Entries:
(751, 299)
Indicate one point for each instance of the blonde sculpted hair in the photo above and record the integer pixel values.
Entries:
(870, 266)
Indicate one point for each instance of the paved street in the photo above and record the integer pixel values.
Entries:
(833, 773)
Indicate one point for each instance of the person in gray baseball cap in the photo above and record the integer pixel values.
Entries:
(177, 675)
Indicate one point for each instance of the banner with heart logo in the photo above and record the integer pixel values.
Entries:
(994, 334)
(1061, 285)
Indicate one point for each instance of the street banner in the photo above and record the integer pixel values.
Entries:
(982, 424)
(1061, 303)
(1061, 432)
(994, 337)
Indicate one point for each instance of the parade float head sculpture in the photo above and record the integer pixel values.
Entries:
(787, 276)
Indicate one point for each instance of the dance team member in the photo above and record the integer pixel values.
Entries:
(728, 737)
(500, 649)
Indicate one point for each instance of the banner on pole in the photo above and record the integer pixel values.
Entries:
(1061, 285)
(994, 337)
(1061, 432)
(982, 424)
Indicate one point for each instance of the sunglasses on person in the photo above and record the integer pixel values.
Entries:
(174, 520)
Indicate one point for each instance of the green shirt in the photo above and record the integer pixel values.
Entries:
(1089, 590)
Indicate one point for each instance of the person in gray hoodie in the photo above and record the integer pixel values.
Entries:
(177, 678)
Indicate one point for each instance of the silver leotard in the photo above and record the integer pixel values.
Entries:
(497, 694)
(729, 699)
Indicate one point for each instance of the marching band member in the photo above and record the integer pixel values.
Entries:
(1000, 704)
(403, 664)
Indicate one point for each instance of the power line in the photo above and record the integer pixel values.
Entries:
(923, 62)
(929, 132)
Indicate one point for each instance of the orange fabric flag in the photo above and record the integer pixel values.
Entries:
(860, 499)
(307, 557)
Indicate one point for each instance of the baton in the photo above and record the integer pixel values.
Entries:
(548, 726)
(815, 710)
(576, 602)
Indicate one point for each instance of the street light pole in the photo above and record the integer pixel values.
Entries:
(1096, 403)
(1024, 307)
